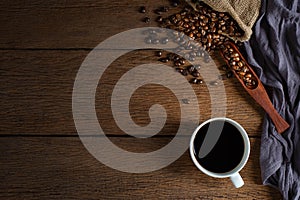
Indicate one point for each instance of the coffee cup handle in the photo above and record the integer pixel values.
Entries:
(237, 180)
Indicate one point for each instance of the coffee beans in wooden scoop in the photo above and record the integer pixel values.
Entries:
(239, 65)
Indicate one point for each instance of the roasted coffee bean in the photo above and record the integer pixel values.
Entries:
(195, 73)
(159, 53)
(176, 58)
(159, 19)
(142, 9)
(164, 60)
(182, 71)
(192, 58)
(175, 3)
(241, 74)
(171, 56)
(177, 63)
(155, 41)
(248, 76)
(234, 55)
(181, 61)
(190, 68)
(236, 59)
(207, 59)
(245, 69)
(148, 40)
(232, 62)
(158, 11)
(235, 67)
(164, 9)
(197, 67)
(152, 31)
(200, 53)
(227, 57)
(147, 19)
(240, 64)
(153, 35)
(196, 81)
(165, 40)
(185, 101)
(214, 83)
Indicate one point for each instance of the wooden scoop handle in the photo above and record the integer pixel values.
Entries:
(247, 77)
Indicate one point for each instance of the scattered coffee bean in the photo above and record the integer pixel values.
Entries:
(164, 9)
(175, 3)
(182, 61)
(159, 19)
(208, 28)
(192, 58)
(147, 19)
(148, 40)
(196, 81)
(214, 83)
(165, 40)
(185, 101)
(155, 41)
(197, 67)
(159, 53)
(143, 9)
(195, 73)
(158, 11)
(164, 60)
(191, 69)
(182, 71)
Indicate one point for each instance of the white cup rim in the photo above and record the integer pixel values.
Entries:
(243, 160)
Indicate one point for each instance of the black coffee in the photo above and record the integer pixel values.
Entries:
(228, 151)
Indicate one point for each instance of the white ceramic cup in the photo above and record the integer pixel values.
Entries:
(234, 173)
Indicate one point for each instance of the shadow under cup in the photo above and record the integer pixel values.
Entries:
(220, 148)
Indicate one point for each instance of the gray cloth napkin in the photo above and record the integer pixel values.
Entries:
(274, 51)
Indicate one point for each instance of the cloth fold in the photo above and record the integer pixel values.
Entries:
(274, 52)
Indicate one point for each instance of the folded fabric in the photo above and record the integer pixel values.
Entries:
(245, 13)
(274, 51)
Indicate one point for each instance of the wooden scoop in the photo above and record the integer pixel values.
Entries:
(253, 85)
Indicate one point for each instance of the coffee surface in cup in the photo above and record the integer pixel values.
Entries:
(227, 152)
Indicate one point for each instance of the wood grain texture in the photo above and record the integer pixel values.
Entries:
(42, 46)
(76, 24)
(36, 89)
(61, 168)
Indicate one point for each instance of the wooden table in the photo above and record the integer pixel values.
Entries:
(43, 44)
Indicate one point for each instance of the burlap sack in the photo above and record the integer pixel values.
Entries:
(244, 12)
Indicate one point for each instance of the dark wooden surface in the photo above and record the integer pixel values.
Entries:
(42, 45)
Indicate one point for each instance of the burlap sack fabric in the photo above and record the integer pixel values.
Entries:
(244, 12)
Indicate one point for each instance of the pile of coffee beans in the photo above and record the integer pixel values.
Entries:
(210, 29)
(237, 63)
(207, 26)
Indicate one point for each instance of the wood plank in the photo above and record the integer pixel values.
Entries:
(70, 24)
(36, 94)
(59, 167)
